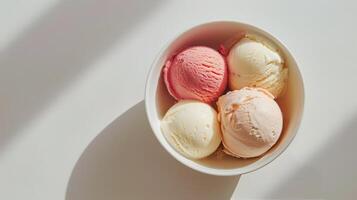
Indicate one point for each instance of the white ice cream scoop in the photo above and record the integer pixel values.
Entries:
(191, 127)
(252, 62)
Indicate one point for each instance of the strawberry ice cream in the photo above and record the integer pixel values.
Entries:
(198, 73)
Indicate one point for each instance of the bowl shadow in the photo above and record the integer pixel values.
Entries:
(125, 161)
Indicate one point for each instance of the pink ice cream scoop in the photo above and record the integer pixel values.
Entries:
(251, 122)
(198, 73)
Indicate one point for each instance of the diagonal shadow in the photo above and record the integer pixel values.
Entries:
(126, 162)
(331, 174)
(57, 49)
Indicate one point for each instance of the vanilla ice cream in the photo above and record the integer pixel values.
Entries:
(253, 62)
(191, 127)
(251, 122)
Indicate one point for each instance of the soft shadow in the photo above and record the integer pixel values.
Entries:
(57, 49)
(331, 174)
(125, 161)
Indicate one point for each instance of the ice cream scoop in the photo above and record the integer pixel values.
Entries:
(251, 122)
(191, 127)
(253, 62)
(197, 73)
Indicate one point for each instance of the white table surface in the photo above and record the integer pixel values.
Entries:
(69, 69)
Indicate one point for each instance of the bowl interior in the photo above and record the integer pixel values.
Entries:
(215, 34)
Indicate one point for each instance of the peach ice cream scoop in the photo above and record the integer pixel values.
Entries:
(197, 73)
(251, 122)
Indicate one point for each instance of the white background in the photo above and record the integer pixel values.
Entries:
(69, 69)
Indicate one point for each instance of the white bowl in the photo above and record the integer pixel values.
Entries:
(158, 101)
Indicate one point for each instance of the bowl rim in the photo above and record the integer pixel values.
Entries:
(150, 108)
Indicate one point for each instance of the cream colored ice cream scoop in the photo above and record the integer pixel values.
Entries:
(192, 128)
(251, 122)
(252, 62)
